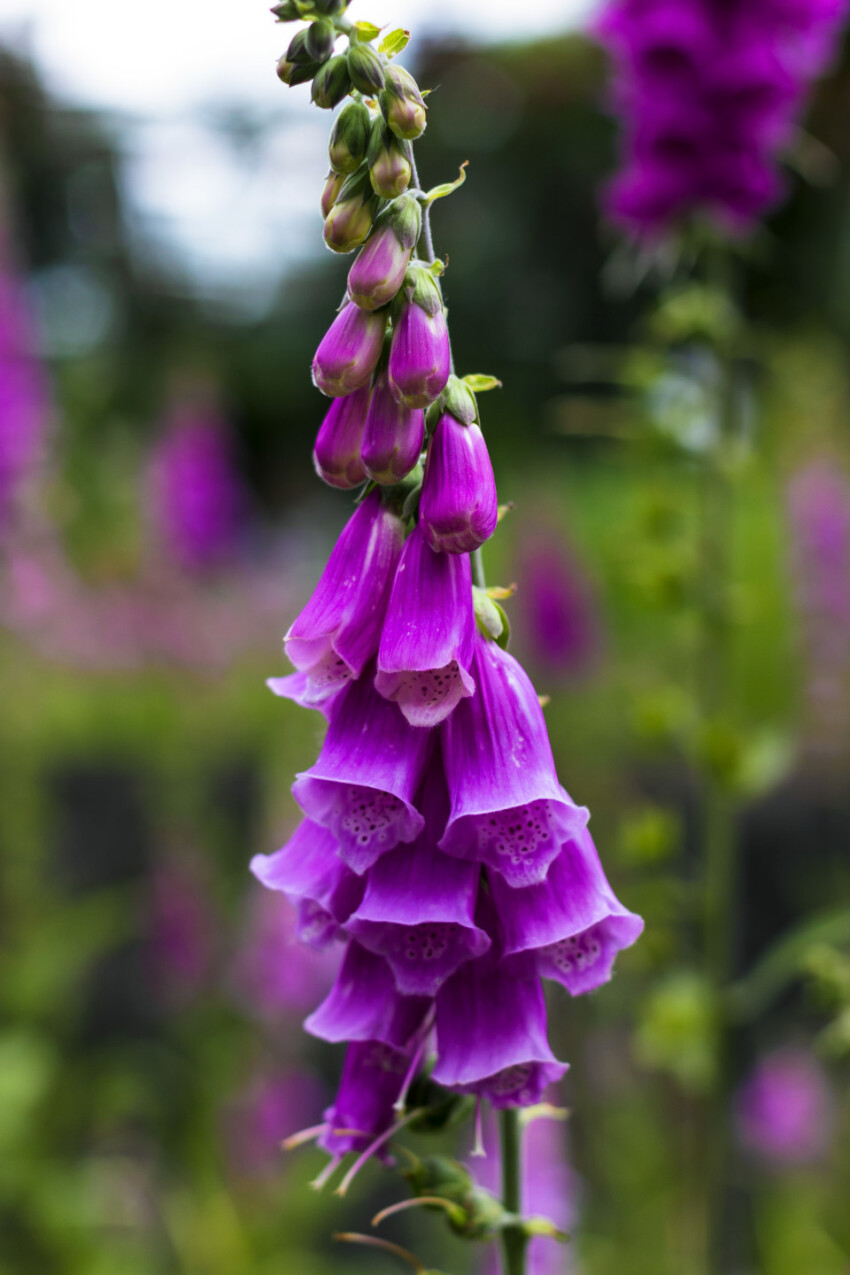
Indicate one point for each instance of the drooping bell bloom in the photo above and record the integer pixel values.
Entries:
(420, 355)
(428, 636)
(382, 262)
(571, 926)
(785, 1109)
(311, 874)
(507, 808)
(393, 435)
(459, 508)
(349, 351)
(491, 1036)
(418, 911)
(363, 784)
(364, 1004)
(336, 456)
(372, 1078)
(304, 692)
(338, 631)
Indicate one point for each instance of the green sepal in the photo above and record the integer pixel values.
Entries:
(366, 69)
(292, 74)
(420, 287)
(298, 53)
(439, 1175)
(480, 383)
(440, 1109)
(285, 11)
(365, 32)
(400, 83)
(332, 8)
(321, 36)
(458, 399)
(541, 1226)
(447, 188)
(349, 138)
(394, 43)
(405, 218)
(489, 616)
(331, 83)
(356, 186)
(399, 494)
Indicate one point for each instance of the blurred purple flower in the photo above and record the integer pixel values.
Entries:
(24, 396)
(198, 503)
(709, 92)
(257, 1119)
(558, 617)
(784, 1111)
(182, 931)
(272, 972)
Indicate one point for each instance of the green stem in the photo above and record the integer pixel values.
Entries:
(477, 560)
(514, 1240)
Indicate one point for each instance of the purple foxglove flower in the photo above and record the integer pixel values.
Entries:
(507, 808)
(311, 874)
(372, 1078)
(336, 456)
(304, 692)
(363, 784)
(458, 509)
(183, 927)
(272, 973)
(785, 1109)
(363, 1004)
(338, 631)
(418, 911)
(428, 635)
(349, 351)
(571, 926)
(420, 357)
(491, 1036)
(382, 262)
(559, 620)
(392, 436)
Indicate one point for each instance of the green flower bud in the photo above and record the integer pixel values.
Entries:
(458, 399)
(298, 51)
(421, 286)
(366, 68)
(331, 84)
(331, 7)
(403, 104)
(291, 73)
(285, 11)
(389, 161)
(349, 221)
(330, 194)
(349, 138)
(485, 1215)
(320, 39)
(439, 1175)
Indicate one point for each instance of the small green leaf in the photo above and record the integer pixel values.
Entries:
(532, 1226)
(366, 31)
(447, 188)
(478, 382)
(489, 616)
(504, 510)
(394, 42)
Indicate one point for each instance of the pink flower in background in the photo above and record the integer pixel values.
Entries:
(183, 927)
(272, 973)
(24, 395)
(784, 1111)
(259, 1117)
(557, 621)
(197, 500)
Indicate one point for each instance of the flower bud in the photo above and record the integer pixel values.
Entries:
(392, 436)
(331, 84)
(298, 53)
(349, 138)
(389, 161)
(381, 265)
(366, 68)
(458, 399)
(458, 509)
(331, 7)
(350, 220)
(285, 11)
(292, 73)
(333, 185)
(420, 357)
(349, 351)
(336, 456)
(403, 104)
(321, 36)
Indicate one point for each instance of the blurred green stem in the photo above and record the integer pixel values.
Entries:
(514, 1240)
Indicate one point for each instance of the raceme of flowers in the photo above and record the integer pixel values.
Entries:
(708, 92)
(437, 842)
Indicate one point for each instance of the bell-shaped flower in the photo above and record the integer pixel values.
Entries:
(491, 1036)
(418, 911)
(304, 692)
(364, 1004)
(311, 874)
(420, 355)
(429, 634)
(507, 808)
(382, 262)
(336, 456)
(570, 927)
(392, 436)
(363, 784)
(459, 508)
(372, 1078)
(338, 631)
(349, 351)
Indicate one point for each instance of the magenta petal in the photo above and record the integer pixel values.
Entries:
(363, 1004)
(309, 871)
(507, 808)
(336, 456)
(491, 1037)
(419, 907)
(420, 356)
(459, 508)
(371, 1081)
(338, 631)
(392, 436)
(349, 351)
(363, 784)
(428, 635)
(571, 927)
(299, 688)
